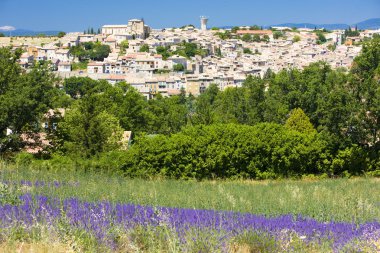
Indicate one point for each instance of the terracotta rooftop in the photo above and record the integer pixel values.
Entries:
(254, 32)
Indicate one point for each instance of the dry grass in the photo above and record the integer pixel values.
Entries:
(240, 248)
(21, 247)
(30, 41)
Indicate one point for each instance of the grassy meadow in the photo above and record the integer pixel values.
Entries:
(33, 41)
(352, 201)
(348, 200)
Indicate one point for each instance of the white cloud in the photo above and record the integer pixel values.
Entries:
(7, 28)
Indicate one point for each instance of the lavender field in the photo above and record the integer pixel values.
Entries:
(73, 212)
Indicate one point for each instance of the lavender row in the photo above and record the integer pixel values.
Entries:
(99, 218)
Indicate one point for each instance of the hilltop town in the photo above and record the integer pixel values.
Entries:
(254, 129)
(167, 60)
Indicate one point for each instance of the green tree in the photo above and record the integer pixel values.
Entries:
(276, 103)
(90, 50)
(277, 35)
(9, 74)
(247, 51)
(321, 37)
(256, 38)
(235, 29)
(191, 49)
(255, 27)
(204, 106)
(164, 51)
(123, 46)
(349, 33)
(335, 110)
(266, 38)
(77, 87)
(246, 38)
(120, 100)
(255, 99)
(144, 48)
(188, 50)
(223, 35)
(88, 131)
(2, 35)
(365, 84)
(178, 68)
(24, 98)
(169, 115)
(99, 52)
(218, 52)
(313, 87)
(78, 52)
(61, 34)
(296, 38)
(132, 109)
(231, 106)
(332, 47)
(300, 122)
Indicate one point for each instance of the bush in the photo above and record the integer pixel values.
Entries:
(178, 67)
(79, 65)
(247, 51)
(296, 38)
(144, 48)
(61, 34)
(350, 161)
(227, 151)
(23, 159)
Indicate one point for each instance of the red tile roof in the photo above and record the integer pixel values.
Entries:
(254, 32)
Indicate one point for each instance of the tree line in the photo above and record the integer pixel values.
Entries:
(312, 121)
(90, 50)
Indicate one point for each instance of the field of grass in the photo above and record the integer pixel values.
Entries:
(350, 201)
(32, 41)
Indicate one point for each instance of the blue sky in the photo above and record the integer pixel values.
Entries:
(77, 15)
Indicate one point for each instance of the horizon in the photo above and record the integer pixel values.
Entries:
(173, 14)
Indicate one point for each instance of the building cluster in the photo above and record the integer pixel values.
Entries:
(135, 28)
(227, 62)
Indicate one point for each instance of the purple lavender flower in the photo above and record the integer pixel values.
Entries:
(99, 218)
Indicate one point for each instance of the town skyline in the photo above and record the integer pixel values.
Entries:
(221, 13)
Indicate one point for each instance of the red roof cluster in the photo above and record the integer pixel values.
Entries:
(254, 32)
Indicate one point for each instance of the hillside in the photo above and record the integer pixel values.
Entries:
(24, 32)
(373, 23)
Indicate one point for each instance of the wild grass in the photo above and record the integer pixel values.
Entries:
(350, 200)
(155, 240)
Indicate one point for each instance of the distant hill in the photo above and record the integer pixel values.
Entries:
(312, 26)
(225, 27)
(373, 23)
(23, 32)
